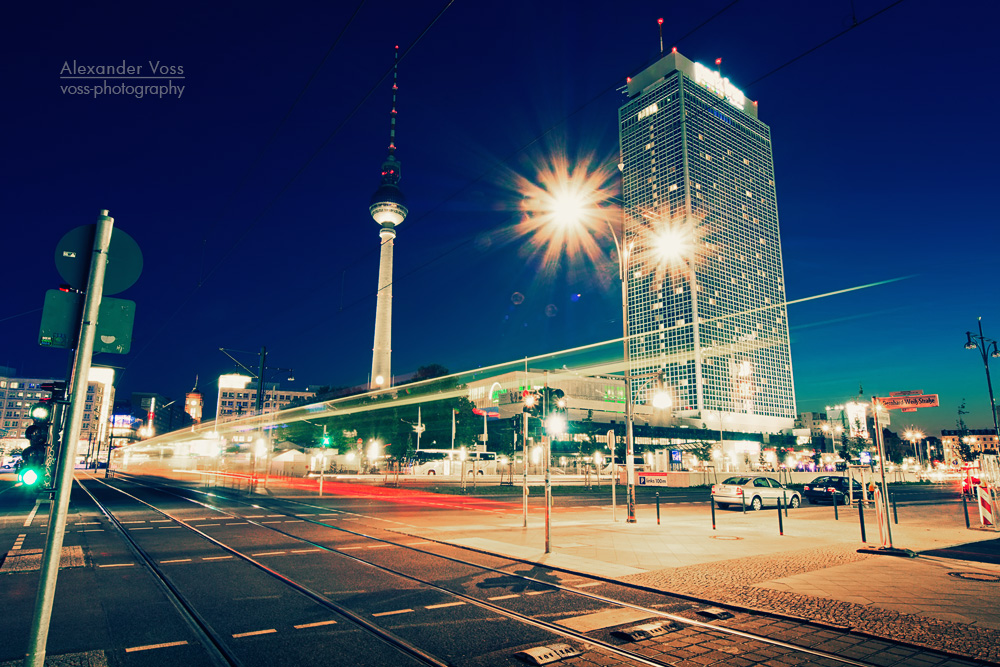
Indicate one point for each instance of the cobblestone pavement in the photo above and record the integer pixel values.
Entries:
(733, 582)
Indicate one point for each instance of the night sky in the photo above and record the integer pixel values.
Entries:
(255, 227)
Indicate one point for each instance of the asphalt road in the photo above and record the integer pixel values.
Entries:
(113, 605)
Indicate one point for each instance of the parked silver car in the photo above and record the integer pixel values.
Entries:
(754, 492)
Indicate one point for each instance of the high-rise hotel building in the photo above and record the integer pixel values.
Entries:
(711, 323)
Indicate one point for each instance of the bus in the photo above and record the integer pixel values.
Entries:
(448, 462)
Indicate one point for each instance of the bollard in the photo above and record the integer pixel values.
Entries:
(836, 512)
(892, 499)
(743, 502)
(712, 500)
(785, 498)
(861, 515)
(657, 508)
(781, 527)
(965, 506)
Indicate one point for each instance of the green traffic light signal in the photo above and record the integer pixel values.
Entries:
(326, 441)
(29, 475)
(40, 412)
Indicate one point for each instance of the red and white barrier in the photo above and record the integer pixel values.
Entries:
(985, 506)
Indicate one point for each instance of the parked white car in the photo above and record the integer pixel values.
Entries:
(754, 492)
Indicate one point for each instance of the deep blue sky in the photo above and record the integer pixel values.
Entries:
(885, 147)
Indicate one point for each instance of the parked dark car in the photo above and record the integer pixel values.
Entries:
(823, 489)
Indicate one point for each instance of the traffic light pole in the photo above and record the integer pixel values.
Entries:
(64, 474)
(524, 481)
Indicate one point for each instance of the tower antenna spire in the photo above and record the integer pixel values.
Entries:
(392, 114)
(659, 22)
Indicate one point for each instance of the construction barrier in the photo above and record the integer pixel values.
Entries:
(985, 506)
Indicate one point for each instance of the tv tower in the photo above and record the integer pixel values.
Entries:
(388, 208)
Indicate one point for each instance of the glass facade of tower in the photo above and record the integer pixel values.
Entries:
(713, 324)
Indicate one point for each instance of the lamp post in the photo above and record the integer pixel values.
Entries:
(914, 436)
(987, 348)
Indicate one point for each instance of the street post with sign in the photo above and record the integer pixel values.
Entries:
(907, 401)
(84, 259)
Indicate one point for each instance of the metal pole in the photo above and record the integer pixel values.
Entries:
(712, 501)
(861, 518)
(629, 441)
(64, 485)
(965, 507)
(614, 485)
(989, 383)
(781, 526)
(547, 450)
(836, 512)
(524, 466)
(881, 465)
(657, 508)
(895, 517)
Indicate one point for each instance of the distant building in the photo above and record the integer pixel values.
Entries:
(698, 184)
(18, 394)
(980, 440)
(194, 403)
(159, 412)
(238, 397)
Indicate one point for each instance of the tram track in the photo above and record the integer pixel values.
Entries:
(820, 657)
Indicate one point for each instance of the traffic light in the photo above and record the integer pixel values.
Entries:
(532, 402)
(32, 468)
(326, 440)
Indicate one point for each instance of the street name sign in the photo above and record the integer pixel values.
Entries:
(909, 402)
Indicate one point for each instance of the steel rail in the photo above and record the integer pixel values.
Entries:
(538, 623)
(383, 634)
(210, 640)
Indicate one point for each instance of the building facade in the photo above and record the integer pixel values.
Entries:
(979, 440)
(18, 394)
(237, 398)
(698, 181)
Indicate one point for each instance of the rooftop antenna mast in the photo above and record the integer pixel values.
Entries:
(660, 23)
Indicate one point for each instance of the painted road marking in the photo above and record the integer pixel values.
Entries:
(126, 522)
(143, 528)
(93, 530)
(270, 522)
(165, 520)
(294, 521)
(255, 632)
(592, 583)
(304, 551)
(116, 565)
(442, 606)
(538, 592)
(270, 553)
(381, 546)
(88, 523)
(390, 613)
(216, 557)
(202, 525)
(417, 544)
(348, 548)
(167, 527)
(19, 541)
(314, 625)
(177, 560)
(254, 516)
(31, 516)
(148, 647)
(504, 597)
(238, 523)
(271, 516)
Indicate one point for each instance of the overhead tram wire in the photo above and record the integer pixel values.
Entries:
(260, 216)
(580, 108)
(274, 135)
(503, 161)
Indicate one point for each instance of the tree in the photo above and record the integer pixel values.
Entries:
(964, 450)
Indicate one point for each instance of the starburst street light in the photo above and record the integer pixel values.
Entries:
(564, 208)
(914, 436)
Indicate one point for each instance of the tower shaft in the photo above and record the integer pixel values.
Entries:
(382, 349)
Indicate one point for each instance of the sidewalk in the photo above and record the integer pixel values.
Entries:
(813, 571)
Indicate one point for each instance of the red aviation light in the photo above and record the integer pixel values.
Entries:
(628, 79)
(674, 50)
(718, 61)
(660, 21)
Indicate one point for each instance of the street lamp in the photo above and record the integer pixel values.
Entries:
(987, 348)
(914, 436)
